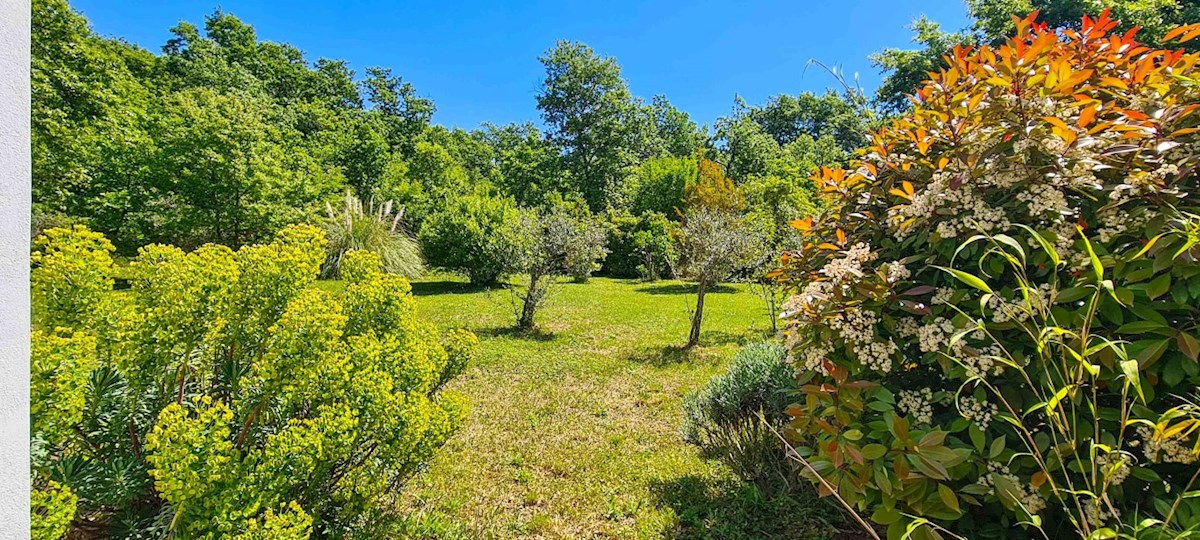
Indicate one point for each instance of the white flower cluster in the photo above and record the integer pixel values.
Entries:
(896, 272)
(967, 211)
(918, 403)
(980, 412)
(813, 358)
(1027, 496)
(1176, 449)
(876, 355)
(1045, 200)
(849, 265)
(1020, 310)
(942, 296)
(855, 326)
(807, 299)
(935, 335)
(1142, 183)
(983, 362)
(1100, 513)
(1113, 467)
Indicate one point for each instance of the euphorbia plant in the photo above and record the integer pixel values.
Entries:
(224, 396)
(994, 321)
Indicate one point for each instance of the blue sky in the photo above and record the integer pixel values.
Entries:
(478, 60)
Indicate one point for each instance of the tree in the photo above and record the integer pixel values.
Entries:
(222, 174)
(746, 148)
(556, 243)
(396, 101)
(679, 135)
(529, 167)
(907, 69)
(712, 245)
(587, 105)
(788, 118)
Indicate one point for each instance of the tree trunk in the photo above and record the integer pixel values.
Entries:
(527, 310)
(698, 316)
(533, 297)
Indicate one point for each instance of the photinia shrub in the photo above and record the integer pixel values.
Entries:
(224, 396)
(994, 323)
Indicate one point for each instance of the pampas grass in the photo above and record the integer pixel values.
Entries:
(371, 227)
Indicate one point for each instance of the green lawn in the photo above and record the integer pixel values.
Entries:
(573, 431)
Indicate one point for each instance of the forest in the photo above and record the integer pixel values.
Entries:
(274, 299)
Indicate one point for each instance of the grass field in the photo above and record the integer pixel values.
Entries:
(573, 431)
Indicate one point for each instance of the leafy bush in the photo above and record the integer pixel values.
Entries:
(224, 396)
(660, 182)
(371, 228)
(724, 415)
(996, 330)
(474, 235)
(640, 247)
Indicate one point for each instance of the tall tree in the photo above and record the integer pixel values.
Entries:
(680, 136)
(405, 113)
(586, 105)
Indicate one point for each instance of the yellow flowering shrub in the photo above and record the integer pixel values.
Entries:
(229, 397)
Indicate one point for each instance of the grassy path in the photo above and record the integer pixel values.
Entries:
(574, 432)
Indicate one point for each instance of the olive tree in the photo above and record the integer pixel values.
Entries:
(713, 245)
(556, 243)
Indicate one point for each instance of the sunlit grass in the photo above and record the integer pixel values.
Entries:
(574, 431)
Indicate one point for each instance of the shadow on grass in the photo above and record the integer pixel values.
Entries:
(736, 510)
(513, 332)
(677, 354)
(430, 288)
(683, 288)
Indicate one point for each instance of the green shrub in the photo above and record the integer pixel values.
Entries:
(724, 417)
(660, 182)
(996, 325)
(474, 235)
(641, 247)
(373, 228)
(225, 396)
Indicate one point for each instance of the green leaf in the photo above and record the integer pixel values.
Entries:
(1130, 369)
(1159, 286)
(1139, 327)
(853, 435)
(885, 516)
(1188, 345)
(948, 497)
(1097, 266)
(874, 451)
(967, 278)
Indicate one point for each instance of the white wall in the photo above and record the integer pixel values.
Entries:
(14, 268)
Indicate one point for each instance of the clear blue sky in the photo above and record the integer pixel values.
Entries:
(478, 60)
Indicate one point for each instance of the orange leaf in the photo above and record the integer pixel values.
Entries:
(805, 224)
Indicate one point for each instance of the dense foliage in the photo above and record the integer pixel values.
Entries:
(907, 69)
(995, 326)
(224, 396)
(477, 236)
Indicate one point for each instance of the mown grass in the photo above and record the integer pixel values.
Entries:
(574, 429)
